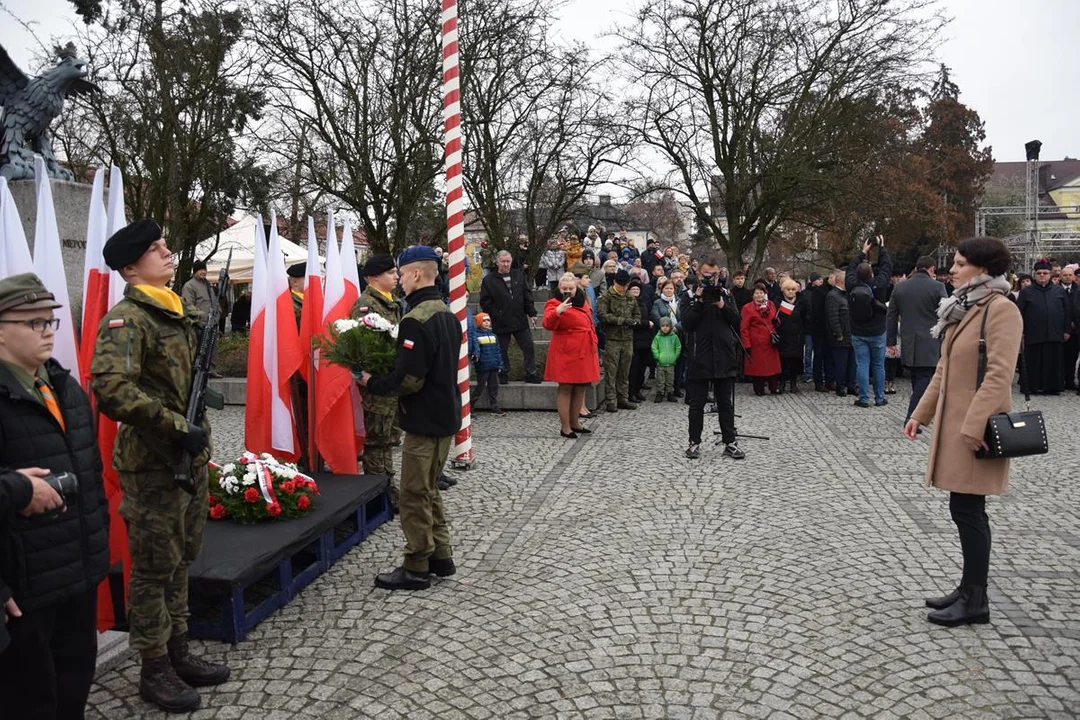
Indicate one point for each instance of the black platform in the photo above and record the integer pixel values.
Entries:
(246, 572)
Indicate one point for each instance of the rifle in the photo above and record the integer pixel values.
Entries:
(201, 396)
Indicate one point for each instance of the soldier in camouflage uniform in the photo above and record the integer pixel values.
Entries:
(619, 314)
(141, 376)
(380, 413)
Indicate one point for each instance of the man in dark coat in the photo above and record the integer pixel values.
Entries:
(819, 331)
(505, 296)
(866, 291)
(241, 312)
(711, 322)
(913, 307)
(836, 310)
(1047, 316)
(50, 566)
(1072, 347)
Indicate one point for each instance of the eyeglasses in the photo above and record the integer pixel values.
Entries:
(37, 324)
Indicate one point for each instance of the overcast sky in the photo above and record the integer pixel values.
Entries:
(1014, 60)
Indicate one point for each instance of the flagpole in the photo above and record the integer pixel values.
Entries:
(455, 221)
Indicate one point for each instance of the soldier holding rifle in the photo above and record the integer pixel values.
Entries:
(142, 376)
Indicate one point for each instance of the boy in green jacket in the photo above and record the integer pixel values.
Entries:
(666, 348)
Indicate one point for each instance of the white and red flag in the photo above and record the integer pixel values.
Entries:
(95, 276)
(334, 419)
(14, 252)
(312, 313)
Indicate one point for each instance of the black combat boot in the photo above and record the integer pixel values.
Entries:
(159, 684)
(971, 608)
(192, 669)
(442, 567)
(939, 603)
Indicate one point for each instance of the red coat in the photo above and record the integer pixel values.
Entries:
(763, 360)
(571, 355)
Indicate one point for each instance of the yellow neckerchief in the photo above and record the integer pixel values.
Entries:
(298, 295)
(165, 297)
(387, 296)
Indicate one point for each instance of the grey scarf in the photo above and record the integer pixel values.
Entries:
(952, 310)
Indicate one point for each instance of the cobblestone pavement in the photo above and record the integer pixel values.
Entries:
(610, 577)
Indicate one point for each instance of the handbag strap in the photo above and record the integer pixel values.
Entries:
(982, 359)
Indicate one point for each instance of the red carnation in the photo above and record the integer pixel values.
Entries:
(303, 502)
(273, 510)
(243, 461)
(288, 487)
(251, 495)
(213, 500)
(218, 511)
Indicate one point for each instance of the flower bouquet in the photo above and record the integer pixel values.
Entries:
(259, 487)
(367, 343)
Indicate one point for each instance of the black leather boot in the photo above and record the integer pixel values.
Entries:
(192, 669)
(972, 608)
(442, 567)
(944, 601)
(401, 579)
(159, 684)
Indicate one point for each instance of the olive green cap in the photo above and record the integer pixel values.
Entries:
(25, 292)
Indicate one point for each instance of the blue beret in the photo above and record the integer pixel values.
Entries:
(417, 253)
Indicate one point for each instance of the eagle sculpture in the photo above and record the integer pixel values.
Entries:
(29, 106)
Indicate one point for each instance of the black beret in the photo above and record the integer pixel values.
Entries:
(296, 271)
(130, 242)
(377, 265)
(198, 265)
(622, 277)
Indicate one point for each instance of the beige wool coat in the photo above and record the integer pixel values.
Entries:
(955, 408)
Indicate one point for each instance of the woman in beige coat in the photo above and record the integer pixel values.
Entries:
(959, 413)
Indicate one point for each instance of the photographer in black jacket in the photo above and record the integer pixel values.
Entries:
(866, 293)
(711, 322)
(50, 563)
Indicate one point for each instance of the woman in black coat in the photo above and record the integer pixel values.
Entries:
(792, 325)
(643, 334)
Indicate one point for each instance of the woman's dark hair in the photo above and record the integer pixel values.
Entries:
(987, 252)
(761, 286)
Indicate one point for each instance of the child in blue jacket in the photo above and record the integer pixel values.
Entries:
(484, 352)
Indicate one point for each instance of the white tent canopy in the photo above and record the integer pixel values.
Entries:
(240, 238)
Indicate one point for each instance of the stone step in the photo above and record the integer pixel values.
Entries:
(526, 396)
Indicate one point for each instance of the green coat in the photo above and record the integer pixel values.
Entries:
(141, 377)
(615, 310)
(666, 348)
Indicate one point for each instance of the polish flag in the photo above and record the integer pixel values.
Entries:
(95, 276)
(352, 291)
(334, 386)
(14, 252)
(312, 312)
(115, 219)
(257, 432)
(49, 266)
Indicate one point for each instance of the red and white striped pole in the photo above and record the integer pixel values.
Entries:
(455, 220)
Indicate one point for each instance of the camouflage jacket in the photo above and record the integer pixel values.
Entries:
(614, 310)
(297, 306)
(141, 377)
(368, 302)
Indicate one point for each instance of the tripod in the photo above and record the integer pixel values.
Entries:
(738, 435)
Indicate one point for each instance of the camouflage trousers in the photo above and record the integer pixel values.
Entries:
(617, 355)
(165, 529)
(423, 520)
(382, 434)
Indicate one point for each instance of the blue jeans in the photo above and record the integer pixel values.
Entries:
(870, 360)
(808, 356)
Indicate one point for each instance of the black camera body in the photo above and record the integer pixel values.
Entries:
(66, 485)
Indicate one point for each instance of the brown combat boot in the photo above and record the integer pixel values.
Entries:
(159, 684)
(192, 669)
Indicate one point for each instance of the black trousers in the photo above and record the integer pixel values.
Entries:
(920, 380)
(724, 392)
(1072, 350)
(969, 514)
(639, 363)
(46, 671)
(525, 342)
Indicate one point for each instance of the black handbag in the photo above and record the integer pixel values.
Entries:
(1013, 434)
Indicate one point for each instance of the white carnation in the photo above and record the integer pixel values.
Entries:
(228, 469)
(394, 331)
(345, 325)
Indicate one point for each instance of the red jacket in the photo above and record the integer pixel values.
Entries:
(571, 355)
(762, 358)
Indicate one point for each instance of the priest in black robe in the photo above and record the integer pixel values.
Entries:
(1047, 316)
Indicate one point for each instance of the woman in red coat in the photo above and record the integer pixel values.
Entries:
(762, 360)
(571, 360)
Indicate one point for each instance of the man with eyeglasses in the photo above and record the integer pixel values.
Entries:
(1048, 319)
(141, 376)
(54, 549)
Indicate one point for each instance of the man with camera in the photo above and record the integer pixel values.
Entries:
(866, 301)
(54, 517)
(141, 376)
(711, 322)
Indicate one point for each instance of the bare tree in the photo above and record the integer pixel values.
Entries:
(359, 105)
(657, 210)
(758, 106)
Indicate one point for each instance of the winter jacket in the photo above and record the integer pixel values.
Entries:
(756, 329)
(199, 294)
(666, 348)
(510, 307)
(643, 332)
(912, 312)
(712, 335)
(46, 560)
(619, 315)
(484, 350)
(867, 302)
(836, 310)
(661, 308)
(572, 356)
(792, 325)
(819, 318)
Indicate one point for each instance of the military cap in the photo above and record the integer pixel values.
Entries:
(25, 292)
(579, 269)
(130, 242)
(198, 265)
(417, 253)
(296, 271)
(622, 278)
(378, 264)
